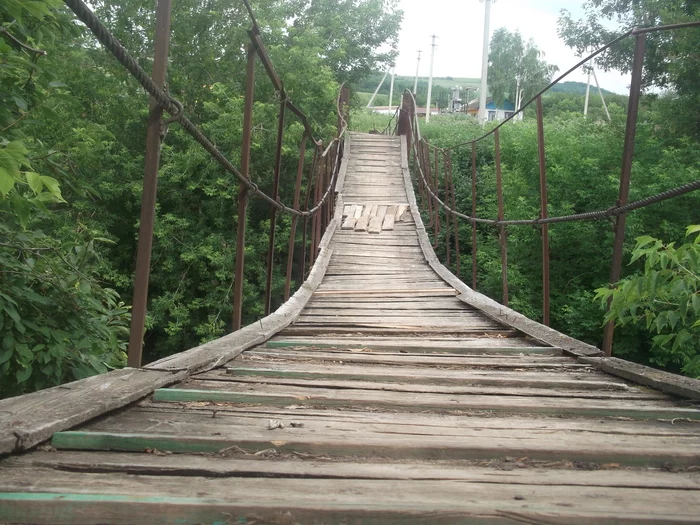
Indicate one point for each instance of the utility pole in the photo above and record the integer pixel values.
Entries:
(391, 88)
(369, 104)
(485, 63)
(430, 81)
(415, 82)
(600, 92)
(588, 88)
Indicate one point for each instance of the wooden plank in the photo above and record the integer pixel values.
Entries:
(348, 210)
(180, 434)
(358, 211)
(644, 375)
(398, 401)
(375, 225)
(425, 291)
(516, 379)
(361, 224)
(398, 359)
(401, 210)
(467, 345)
(150, 464)
(381, 212)
(388, 223)
(32, 418)
(87, 498)
(349, 223)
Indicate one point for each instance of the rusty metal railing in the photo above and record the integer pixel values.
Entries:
(428, 158)
(320, 184)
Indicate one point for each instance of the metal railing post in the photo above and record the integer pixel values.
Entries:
(273, 210)
(474, 215)
(501, 227)
(242, 189)
(627, 157)
(543, 213)
(454, 217)
(293, 226)
(150, 185)
(446, 182)
(436, 204)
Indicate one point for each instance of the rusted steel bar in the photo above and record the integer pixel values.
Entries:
(436, 204)
(243, 190)
(446, 182)
(627, 158)
(454, 217)
(543, 213)
(474, 215)
(293, 226)
(150, 185)
(418, 152)
(309, 185)
(266, 62)
(319, 216)
(501, 228)
(406, 115)
(428, 181)
(273, 210)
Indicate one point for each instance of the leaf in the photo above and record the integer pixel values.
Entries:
(21, 103)
(5, 355)
(53, 186)
(22, 209)
(34, 181)
(7, 181)
(57, 84)
(23, 375)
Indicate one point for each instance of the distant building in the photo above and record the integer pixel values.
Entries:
(455, 103)
(492, 112)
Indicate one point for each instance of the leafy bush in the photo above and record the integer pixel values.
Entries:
(665, 299)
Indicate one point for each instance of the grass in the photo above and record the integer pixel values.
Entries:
(365, 121)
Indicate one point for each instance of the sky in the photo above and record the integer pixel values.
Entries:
(459, 25)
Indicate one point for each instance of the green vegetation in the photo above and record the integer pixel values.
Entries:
(72, 140)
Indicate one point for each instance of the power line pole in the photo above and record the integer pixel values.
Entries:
(369, 104)
(415, 82)
(485, 63)
(391, 88)
(430, 81)
(588, 88)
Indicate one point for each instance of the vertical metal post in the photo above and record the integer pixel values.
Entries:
(436, 206)
(627, 157)
(318, 218)
(242, 189)
(474, 215)
(543, 213)
(448, 215)
(273, 210)
(150, 185)
(428, 183)
(501, 228)
(293, 226)
(454, 217)
(309, 184)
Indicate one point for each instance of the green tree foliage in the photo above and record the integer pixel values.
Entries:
(72, 140)
(665, 299)
(517, 70)
(671, 56)
(58, 320)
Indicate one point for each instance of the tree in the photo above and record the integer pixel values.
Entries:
(671, 56)
(517, 70)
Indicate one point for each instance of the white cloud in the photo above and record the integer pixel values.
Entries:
(459, 26)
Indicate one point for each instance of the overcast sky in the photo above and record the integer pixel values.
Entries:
(459, 25)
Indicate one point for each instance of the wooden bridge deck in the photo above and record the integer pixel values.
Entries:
(390, 399)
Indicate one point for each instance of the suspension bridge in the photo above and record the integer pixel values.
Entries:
(383, 390)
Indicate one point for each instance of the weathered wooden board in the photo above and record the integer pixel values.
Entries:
(87, 498)
(286, 395)
(149, 464)
(30, 419)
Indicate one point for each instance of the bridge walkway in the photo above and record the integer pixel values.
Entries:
(390, 399)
